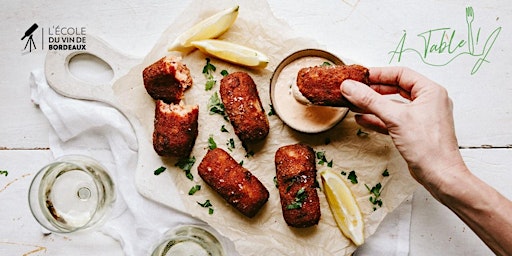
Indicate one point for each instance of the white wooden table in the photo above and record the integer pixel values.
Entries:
(364, 31)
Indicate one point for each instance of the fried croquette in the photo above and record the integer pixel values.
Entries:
(233, 182)
(296, 175)
(176, 129)
(243, 107)
(320, 85)
(167, 79)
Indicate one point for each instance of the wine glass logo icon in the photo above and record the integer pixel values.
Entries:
(29, 33)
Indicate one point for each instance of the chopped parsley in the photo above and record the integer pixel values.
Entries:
(249, 154)
(4, 172)
(275, 182)
(241, 163)
(298, 201)
(272, 111)
(344, 173)
(208, 70)
(385, 173)
(231, 144)
(375, 191)
(215, 106)
(361, 133)
(224, 72)
(320, 155)
(211, 143)
(194, 189)
(207, 204)
(156, 172)
(352, 177)
(223, 129)
(326, 64)
(186, 165)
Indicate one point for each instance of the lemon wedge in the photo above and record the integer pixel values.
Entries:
(343, 206)
(208, 28)
(232, 52)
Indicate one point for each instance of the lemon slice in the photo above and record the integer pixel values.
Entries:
(343, 206)
(208, 28)
(232, 52)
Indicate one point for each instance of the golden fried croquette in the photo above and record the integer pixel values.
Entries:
(321, 84)
(167, 79)
(243, 106)
(233, 182)
(175, 129)
(296, 175)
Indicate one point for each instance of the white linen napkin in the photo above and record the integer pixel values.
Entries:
(102, 132)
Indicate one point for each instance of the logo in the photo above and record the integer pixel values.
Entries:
(55, 38)
(440, 46)
(30, 33)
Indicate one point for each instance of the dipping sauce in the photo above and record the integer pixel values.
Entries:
(299, 116)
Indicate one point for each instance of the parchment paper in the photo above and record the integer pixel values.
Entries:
(267, 233)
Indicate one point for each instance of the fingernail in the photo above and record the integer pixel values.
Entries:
(348, 86)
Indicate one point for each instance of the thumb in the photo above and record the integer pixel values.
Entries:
(364, 98)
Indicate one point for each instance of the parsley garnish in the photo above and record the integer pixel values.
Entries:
(298, 201)
(223, 129)
(231, 144)
(4, 172)
(249, 154)
(385, 173)
(352, 177)
(194, 189)
(186, 165)
(275, 182)
(344, 173)
(215, 106)
(322, 159)
(208, 70)
(156, 172)
(211, 143)
(326, 64)
(207, 204)
(361, 133)
(272, 111)
(375, 199)
(241, 163)
(224, 72)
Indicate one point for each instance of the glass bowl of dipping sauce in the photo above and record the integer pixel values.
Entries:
(301, 117)
(74, 192)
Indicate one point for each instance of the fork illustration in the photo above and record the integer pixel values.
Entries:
(470, 16)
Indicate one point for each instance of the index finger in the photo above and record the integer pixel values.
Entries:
(402, 77)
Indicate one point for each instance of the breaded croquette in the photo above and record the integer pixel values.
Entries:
(233, 182)
(296, 175)
(243, 106)
(167, 79)
(321, 84)
(175, 129)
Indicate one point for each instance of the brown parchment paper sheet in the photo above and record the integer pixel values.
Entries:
(267, 233)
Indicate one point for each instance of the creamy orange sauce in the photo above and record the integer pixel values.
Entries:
(302, 117)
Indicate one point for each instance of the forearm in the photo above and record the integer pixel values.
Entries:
(480, 206)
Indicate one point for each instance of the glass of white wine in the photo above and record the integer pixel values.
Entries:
(72, 193)
(189, 240)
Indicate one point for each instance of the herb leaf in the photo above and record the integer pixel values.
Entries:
(361, 133)
(223, 129)
(224, 72)
(156, 172)
(326, 64)
(211, 143)
(352, 177)
(4, 172)
(298, 201)
(215, 106)
(375, 199)
(208, 71)
(272, 111)
(322, 159)
(385, 173)
(194, 189)
(207, 204)
(186, 165)
(231, 144)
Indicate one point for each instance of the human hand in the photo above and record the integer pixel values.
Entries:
(422, 129)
